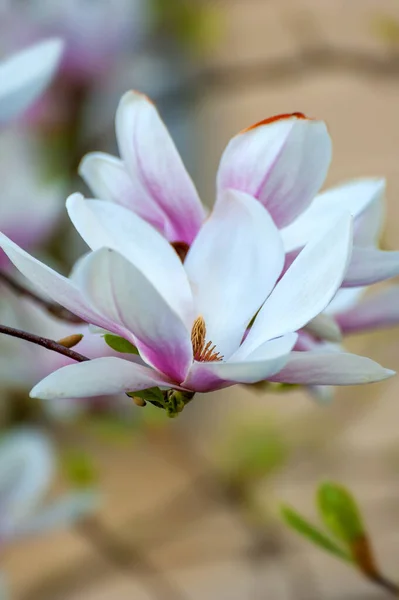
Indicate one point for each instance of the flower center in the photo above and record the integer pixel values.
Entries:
(203, 351)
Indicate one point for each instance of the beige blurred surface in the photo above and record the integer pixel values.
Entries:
(355, 440)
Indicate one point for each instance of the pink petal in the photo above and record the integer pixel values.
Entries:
(374, 312)
(97, 377)
(106, 225)
(267, 360)
(125, 297)
(330, 368)
(282, 161)
(150, 156)
(109, 180)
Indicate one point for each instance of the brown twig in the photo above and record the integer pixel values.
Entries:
(54, 309)
(42, 341)
(386, 584)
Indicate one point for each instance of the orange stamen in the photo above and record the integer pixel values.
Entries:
(203, 352)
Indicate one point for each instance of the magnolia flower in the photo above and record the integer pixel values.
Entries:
(281, 161)
(24, 76)
(222, 317)
(27, 467)
(95, 33)
(30, 207)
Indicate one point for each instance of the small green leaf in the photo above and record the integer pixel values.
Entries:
(309, 531)
(153, 394)
(119, 344)
(340, 512)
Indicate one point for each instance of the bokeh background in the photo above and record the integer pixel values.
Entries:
(191, 507)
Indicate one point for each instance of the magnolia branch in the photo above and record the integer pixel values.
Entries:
(54, 309)
(44, 342)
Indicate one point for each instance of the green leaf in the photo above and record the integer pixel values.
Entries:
(153, 394)
(314, 535)
(340, 512)
(119, 344)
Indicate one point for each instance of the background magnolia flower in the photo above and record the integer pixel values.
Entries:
(30, 205)
(27, 467)
(95, 33)
(188, 321)
(281, 161)
(25, 75)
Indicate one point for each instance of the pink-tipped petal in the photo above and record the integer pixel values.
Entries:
(108, 179)
(97, 377)
(24, 76)
(306, 288)
(232, 265)
(124, 296)
(150, 155)
(359, 197)
(370, 265)
(330, 368)
(374, 312)
(106, 225)
(281, 161)
(265, 362)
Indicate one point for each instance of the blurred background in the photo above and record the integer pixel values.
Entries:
(190, 508)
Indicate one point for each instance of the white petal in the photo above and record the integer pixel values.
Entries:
(331, 368)
(97, 377)
(265, 362)
(150, 155)
(108, 179)
(106, 225)
(324, 327)
(125, 296)
(355, 196)
(60, 514)
(345, 299)
(24, 76)
(306, 288)
(26, 468)
(232, 265)
(369, 223)
(370, 265)
(48, 281)
(282, 161)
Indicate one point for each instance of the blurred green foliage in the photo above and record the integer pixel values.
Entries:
(252, 451)
(196, 25)
(386, 28)
(79, 469)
